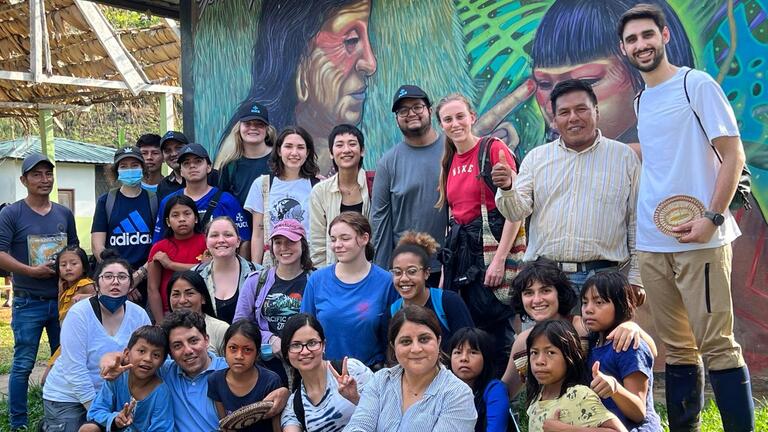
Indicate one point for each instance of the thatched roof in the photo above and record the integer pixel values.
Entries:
(76, 41)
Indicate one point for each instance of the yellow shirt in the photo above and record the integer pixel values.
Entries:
(66, 295)
(579, 406)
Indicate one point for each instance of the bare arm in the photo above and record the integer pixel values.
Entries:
(257, 238)
(629, 394)
(495, 272)
(732, 152)
(98, 240)
(153, 290)
(511, 377)
(10, 263)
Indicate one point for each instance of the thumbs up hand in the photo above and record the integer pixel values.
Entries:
(604, 385)
(502, 174)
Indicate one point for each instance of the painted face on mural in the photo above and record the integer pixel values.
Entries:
(332, 79)
(611, 82)
(643, 44)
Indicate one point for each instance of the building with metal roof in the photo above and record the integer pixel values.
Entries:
(66, 150)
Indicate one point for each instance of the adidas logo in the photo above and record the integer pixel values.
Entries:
(132, 231)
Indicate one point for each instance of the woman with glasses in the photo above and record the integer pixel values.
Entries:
(91, 329)
(351, 298)
(410, 272)
(323, 398)
(419, 393)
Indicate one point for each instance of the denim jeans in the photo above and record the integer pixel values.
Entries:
(577, 281)
(28, 318)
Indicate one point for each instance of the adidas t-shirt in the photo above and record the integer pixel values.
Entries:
(130, 226)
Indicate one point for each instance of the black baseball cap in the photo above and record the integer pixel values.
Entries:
(128, 152)
(173, 135)
(256, 112)
(409, 92)
(194, 149)
(32, 160)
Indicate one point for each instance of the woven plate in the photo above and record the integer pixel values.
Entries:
(245, 416)
(675, 211)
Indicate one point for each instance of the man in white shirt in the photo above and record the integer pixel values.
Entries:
(691, 147)
(580, 191)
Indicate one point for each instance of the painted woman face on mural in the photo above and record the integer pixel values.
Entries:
(331, 81)
(612, 83)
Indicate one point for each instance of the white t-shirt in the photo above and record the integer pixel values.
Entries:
(677, 155)
(334, 411)
(287, 200)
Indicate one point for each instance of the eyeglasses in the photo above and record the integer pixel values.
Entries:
(109, 277)
(417, 109)
(410, 271)
(297, 347)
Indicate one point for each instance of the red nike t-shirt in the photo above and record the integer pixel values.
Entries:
(463, 185)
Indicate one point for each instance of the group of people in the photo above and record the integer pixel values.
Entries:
(334, 299)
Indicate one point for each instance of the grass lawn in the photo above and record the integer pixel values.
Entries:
(6, 343)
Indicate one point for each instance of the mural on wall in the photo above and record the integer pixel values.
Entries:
(320, 63)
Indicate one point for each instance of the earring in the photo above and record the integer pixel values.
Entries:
(302, 92)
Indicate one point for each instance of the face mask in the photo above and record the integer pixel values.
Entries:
(130, 176)
(266, 352)
(112, 303)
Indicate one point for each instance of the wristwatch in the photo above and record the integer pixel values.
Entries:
(716, 218)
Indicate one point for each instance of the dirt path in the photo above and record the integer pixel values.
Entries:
(37, 373)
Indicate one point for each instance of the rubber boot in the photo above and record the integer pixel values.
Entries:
(684, 389)
(733, 394)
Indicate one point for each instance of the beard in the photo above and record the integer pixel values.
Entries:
(415, 132)
(660, 55)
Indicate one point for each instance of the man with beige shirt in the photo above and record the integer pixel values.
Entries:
(579, 190)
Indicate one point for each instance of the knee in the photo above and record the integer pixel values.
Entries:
(89, 427)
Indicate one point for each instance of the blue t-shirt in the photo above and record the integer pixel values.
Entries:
(620, 365)
(227, 206)
(154, 413)
(493, 416)
(354, 316)
(130, 226)
(34, 239)
(219, 391)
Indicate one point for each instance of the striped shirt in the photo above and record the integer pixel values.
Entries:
(447, 405)
(584, 206)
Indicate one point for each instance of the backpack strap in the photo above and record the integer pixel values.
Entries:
(298, 407)
(211, 205)
(266, 186)
(396, 306)
(484, 162)
(154, 203)
(110, 204)
(436, 294)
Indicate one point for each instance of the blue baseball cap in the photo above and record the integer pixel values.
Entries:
(256, 112)
(194, 149)
(33, 160)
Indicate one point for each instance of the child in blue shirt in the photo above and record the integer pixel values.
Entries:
(623, 379)
(137, 400)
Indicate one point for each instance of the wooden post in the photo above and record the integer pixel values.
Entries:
(45, 126)
(166, 113)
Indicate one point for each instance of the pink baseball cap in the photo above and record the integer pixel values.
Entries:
(291, 229)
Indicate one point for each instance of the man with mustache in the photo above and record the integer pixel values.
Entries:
(692, 148)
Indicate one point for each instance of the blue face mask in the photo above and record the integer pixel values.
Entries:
(130, 176)
(266, 352)
(112, 304)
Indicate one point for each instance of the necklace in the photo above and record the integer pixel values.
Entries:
(420, 392)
